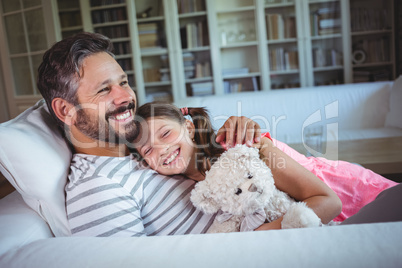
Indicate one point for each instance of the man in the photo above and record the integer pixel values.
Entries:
(108, 193)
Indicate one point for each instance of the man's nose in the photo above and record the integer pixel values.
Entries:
(121, 95)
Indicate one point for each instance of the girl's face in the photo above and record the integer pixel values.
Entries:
(167, 146)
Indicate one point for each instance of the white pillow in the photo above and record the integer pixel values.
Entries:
(35, 158)
(394, 116)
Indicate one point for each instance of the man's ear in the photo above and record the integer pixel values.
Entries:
(64, 110)
(190, 128)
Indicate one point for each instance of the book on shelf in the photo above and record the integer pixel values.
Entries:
(113, 31)
(246, 84)
(235, 71)
(203, 69)
(362, 75)
(122, 48)
(275, 26)
(281, 60)
(70, 19)
(369, 18)
(280, 27)
(161, 96)
(188, 63)
(192, 35)
(325, 21)
(125, 64)
(189, 72)
(202, 89)
(105, 2)
(375, 50)
(108, 15)
(152, 75)
(232, 87)
(148, 35)
(187, 6)
(164, 74)
(320, 57)
(291, 60)
(327, 57)
(255, 83)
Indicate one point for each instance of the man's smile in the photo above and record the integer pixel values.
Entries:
(122, 116)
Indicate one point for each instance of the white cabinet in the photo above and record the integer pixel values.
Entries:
(327, 43)
(25, 36)
(174, 49)
(373, 39)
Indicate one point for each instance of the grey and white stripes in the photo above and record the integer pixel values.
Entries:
(113, 196)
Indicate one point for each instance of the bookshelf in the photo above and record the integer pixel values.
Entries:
(177, 49)
(328, 41)
(237, 63)
(192, 48)
(284, 41)
(195, 45)
(110, 18)
(373, 36)
(24, 37)
(70, 17)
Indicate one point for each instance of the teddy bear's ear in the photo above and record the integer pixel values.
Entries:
(202, 199)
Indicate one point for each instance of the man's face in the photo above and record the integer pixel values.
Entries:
(107, 102)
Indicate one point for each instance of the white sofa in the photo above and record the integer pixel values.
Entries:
(35, 159)
(348, 112)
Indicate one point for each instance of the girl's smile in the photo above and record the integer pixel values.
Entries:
(172, 157)
(167, 146)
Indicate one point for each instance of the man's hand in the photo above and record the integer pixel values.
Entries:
(239, 130)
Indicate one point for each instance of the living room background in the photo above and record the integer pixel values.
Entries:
(176, 49)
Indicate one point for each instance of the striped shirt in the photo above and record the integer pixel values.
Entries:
(115, 196)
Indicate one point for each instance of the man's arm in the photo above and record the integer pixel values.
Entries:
(239, 130)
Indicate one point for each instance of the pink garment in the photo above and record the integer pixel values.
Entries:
(356, 186)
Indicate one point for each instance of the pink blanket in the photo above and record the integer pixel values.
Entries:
(356, 186)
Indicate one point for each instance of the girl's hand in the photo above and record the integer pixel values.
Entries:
(239, 130)
(274, 225)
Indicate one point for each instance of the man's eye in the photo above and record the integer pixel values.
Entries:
(103, 90)
(124, 83)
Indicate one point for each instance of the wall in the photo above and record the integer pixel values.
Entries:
(4, 115)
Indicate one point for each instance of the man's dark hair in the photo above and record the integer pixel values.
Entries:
(59, 72)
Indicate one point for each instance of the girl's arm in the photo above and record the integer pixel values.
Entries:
(299, 183)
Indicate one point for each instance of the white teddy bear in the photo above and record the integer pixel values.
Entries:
(240, 187)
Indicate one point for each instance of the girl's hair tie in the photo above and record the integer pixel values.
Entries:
(184, 110)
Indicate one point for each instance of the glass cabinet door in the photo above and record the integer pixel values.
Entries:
(154, 50)
(26, 41)
(326, 42)
(283, 41)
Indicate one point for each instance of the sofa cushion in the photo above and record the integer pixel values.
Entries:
(19, 225)
(285, 113)
(35, 158)
(394, 118)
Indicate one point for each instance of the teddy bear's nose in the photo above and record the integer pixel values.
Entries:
(252, 188)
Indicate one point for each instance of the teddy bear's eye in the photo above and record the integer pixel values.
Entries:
(249, 176)
(238, 191)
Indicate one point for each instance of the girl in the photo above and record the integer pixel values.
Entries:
(171, 144)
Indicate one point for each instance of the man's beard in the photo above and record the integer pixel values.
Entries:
(102, 130)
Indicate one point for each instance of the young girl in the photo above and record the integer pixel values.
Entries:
(171, 144)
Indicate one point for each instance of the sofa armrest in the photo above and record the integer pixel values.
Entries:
(362, 245)
(19, 224)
